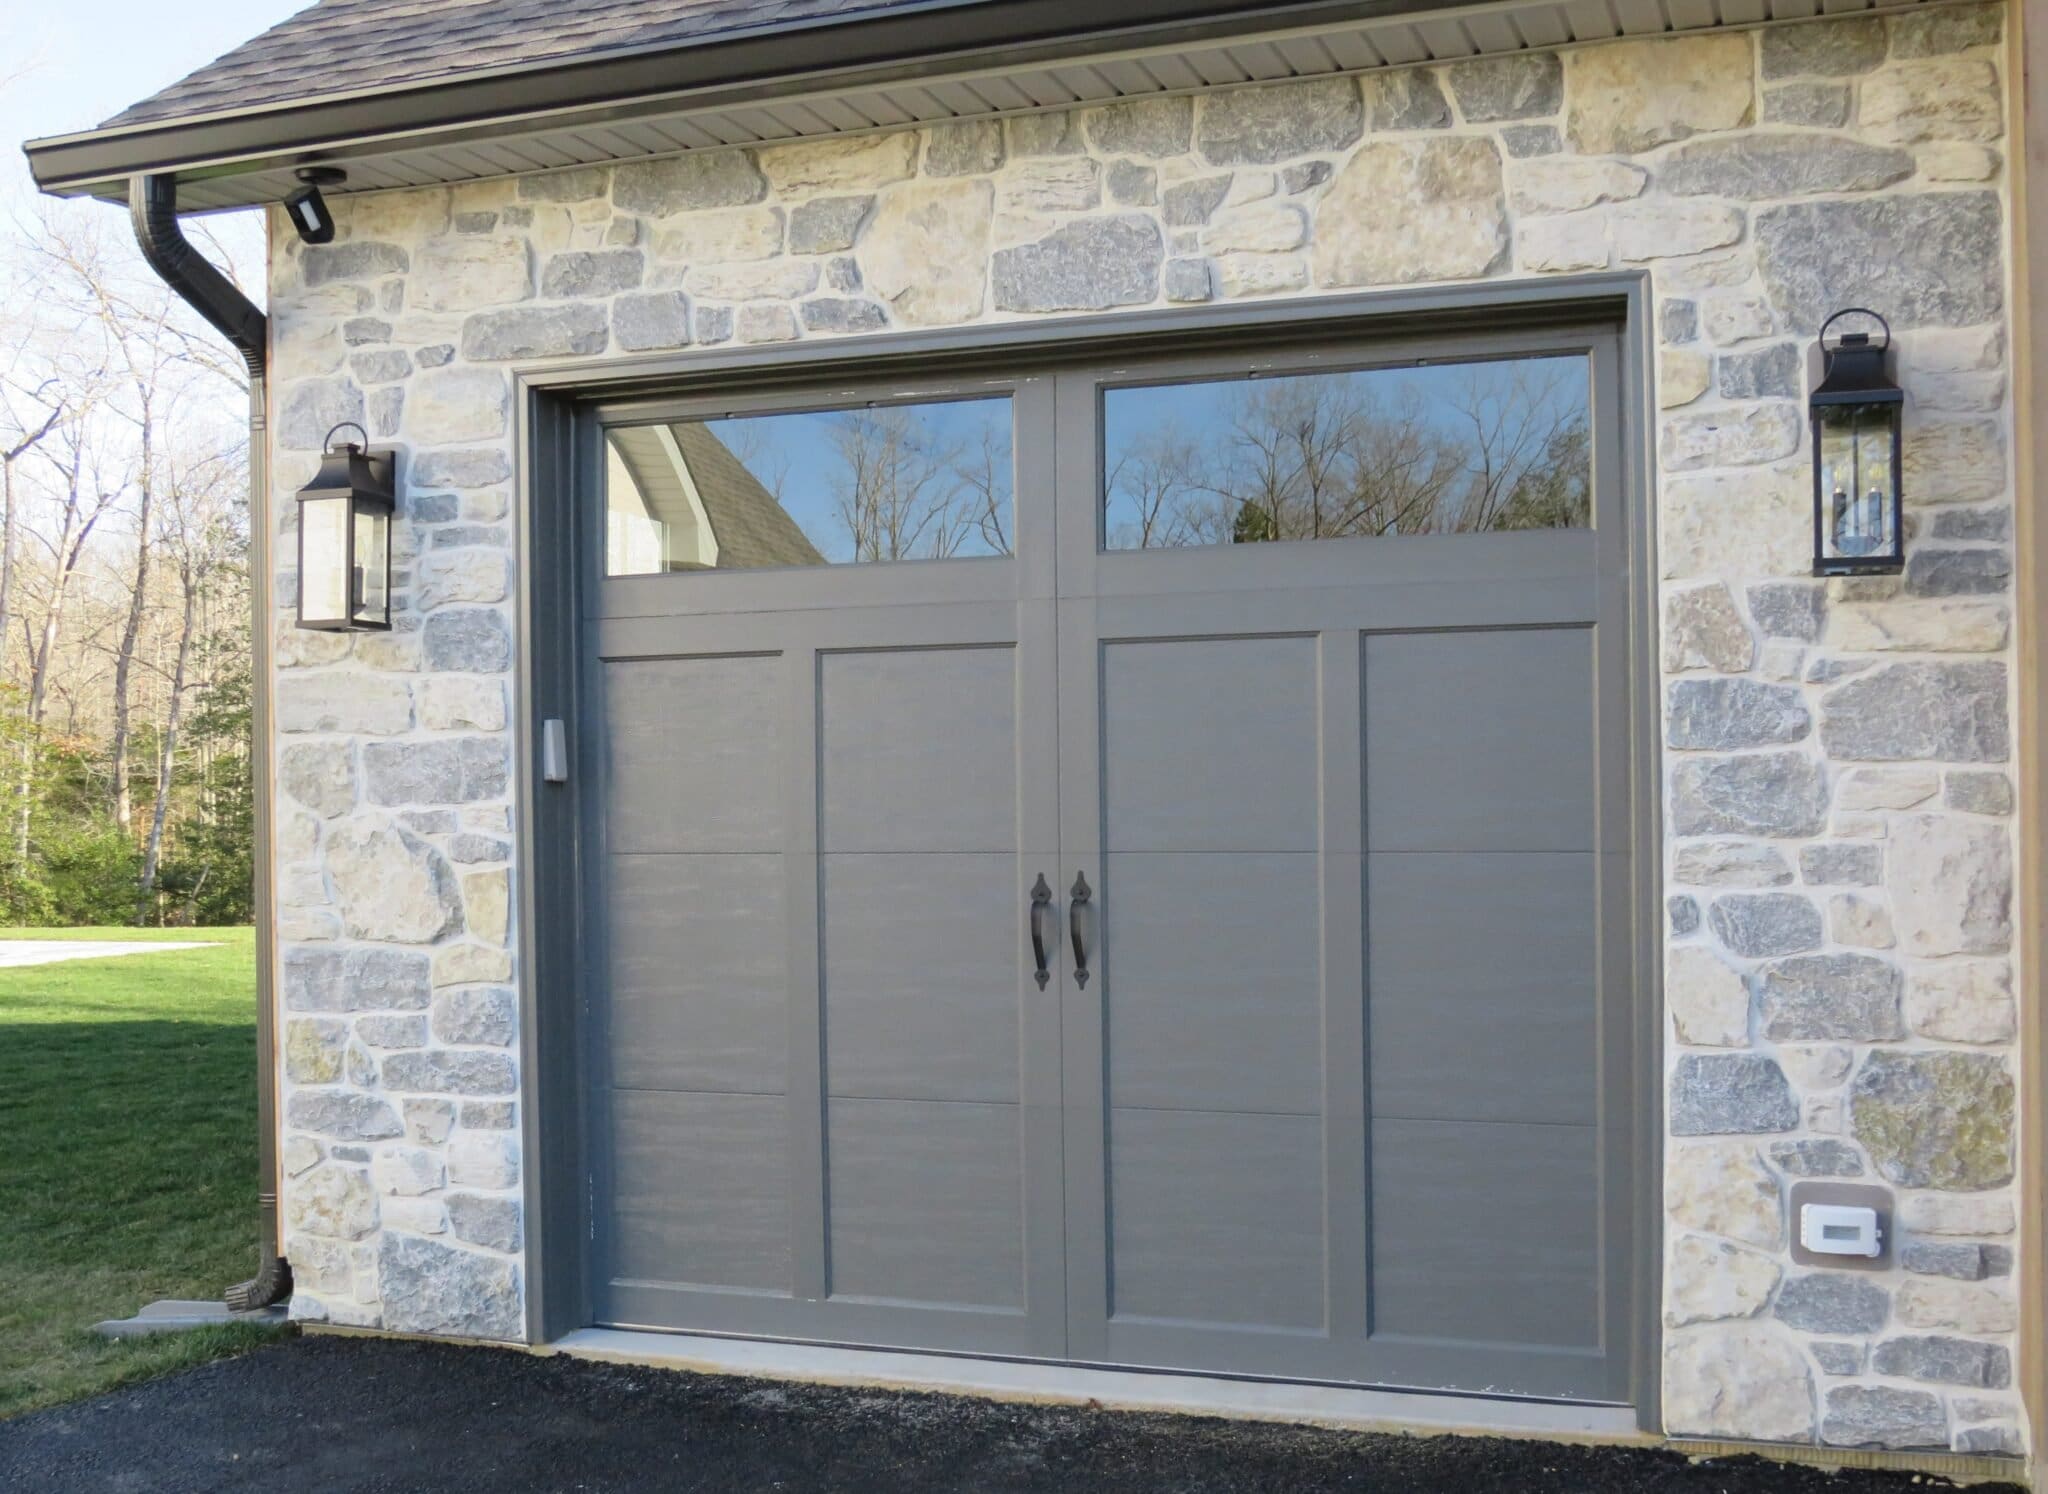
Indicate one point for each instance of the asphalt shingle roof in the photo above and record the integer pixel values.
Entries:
(340, 46)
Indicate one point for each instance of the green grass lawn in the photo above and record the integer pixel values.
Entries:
(127, 1155)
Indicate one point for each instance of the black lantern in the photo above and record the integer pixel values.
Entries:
(345, 539)
(1857, 513)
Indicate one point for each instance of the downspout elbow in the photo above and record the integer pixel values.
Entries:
(153, 205)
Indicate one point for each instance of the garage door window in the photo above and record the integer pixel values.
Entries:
(810, 488)
(1424, 448)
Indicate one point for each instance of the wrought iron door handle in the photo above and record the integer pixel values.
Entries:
(1041, 928)
(1076, 912)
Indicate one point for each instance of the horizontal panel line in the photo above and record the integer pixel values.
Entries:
(739, 1094)
(1452, 1120)
(921, 1100)
(1115, 1108)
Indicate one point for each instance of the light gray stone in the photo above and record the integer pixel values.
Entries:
(1152, 128)
(1953, 573)
(427, 1287)
(1087, 265)
(2001, 1441)
(1050, 134)
(825, 225)
(1837, 1358)
(577, 184)
(1518, 86)
(1982, 791)
(1790, 609)
(1736, 1380)
(1773, 794)
(651, 321)
(580, 328)
(1935, 1120)
(1525, 141)
(320, 775)
(489, 1115)
(352, 980)
(1909, 711)
(1951, 1258)
(1929, 259)
(1840, 48)
(341, 1113)
(1948, 28)
(843, 314)
(1817, 1157)
(1775, 372)
(389, 884)
(1264, 126)
(1832, 1302)
(1408, 98)
(445, 1072)
(714, 323)
(1306, 176)
(486, 1016)
(458, 771)
(1720, 1094)
(467, 274)
(1186, 280)
(1879, 1416)
(467, 640)
(1973, 524)
(1722, 713)
(357, 331)
(1133, 185)
(1424, 208)
(460, 469)
(1711, 1281)
(1841, 865)
(313, 407)
(697, 179)
(1825, 105)
(1774, 164)
(480, 1219)
(1757, 925)
(381, 366)
(1831, 998)
(592, 272)
(359, 259)
(1189, 204)
(384, 1030)
(1734, 436)
(1684, 913)
(1951, 885)
(966, 148)
(763, 322)
(1703, 630)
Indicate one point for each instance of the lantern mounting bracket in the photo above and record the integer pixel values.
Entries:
(327, 441)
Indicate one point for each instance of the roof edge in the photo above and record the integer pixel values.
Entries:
(900, 43)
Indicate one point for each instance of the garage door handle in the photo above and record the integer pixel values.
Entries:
(1077, 914)
(1041, 928)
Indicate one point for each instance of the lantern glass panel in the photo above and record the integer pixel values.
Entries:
(1856, 480)
(324, 560)
(371, 584)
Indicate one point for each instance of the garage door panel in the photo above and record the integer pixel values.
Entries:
(926, 1202)
(920, 975)
(691, 754)
(1480, 740)
(1213, 980)
(1481, 974)
(1486, 1233)
(1216, 1218)
(917, 750)
(1209, 744)
(699, 979)
(700, 1189)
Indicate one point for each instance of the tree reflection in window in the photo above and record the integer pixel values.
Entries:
(1440, 449)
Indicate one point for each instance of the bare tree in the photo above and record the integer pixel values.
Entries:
(897, 492)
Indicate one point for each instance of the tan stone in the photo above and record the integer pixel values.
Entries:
(471, 965)
(486, 899)
(1757, 523)
(770, 280)
(1859, 922)
(1821, 1067)
(1412, 209)
(926, 251)
(1630, 96)
(1942, 624)
(1733, 316)
(1258, 228)
(1951, 884)
(407, 1172)
(1957, 161)
(1957, 1214)
(1954, 461)
(1709, 1280)
(333, 700)
(298, 1154)
(1644, 231)
(1554, 245)
(1682, 377)
(456, 405)
(1937, 98)
(1962, 1001)
(390, 885)
(461, 703)
(839, 165)
(468, 272)
(393, 217)
(1960, 1306)
(1745, 1382)
(1704, 630)
(335, 1202)
(1052, 184)
(1887, 788)
(1260, 274)
(463, 575)
(1708, 1001)
(1565, 184)
(734, 235)
(483, 1159)
(313, 1049)
(1723, 1188)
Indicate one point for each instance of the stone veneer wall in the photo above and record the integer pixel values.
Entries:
(1839, 812)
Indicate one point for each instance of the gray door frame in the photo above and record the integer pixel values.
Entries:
(554, 406)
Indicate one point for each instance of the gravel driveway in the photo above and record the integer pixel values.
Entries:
(319, 1414)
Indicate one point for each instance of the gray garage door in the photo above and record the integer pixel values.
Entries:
(1126, 865)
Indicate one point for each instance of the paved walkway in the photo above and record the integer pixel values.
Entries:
(337, 1415)
(15, 952)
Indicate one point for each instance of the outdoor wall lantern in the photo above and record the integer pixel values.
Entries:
(1857, 528)
(345, 538)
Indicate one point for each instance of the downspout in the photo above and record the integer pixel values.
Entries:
(153, 203)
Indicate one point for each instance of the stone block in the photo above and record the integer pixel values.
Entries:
(925, 250)
(1703, 630)
(1882, 1417)
(1408, 98)
(457, 770)
(428, 1287)
(1712, 1280)
(1771, 794)
(1962, 1001)
(443, 1072)
(313, 1049)
(1779, 164)
(1935, 1120)
(478, 1219)
(1754, 523)
(1708, 1001)
(1930, 258)
(1948, 98)
(1952, 885)
(471, 273)
(1955, 1260)
(1524, 85)
(483, 1159)
(341, 1114)
(967, 147)
(460, 469)
(1832, 1302)
(1718, 714)
(1745, 435)
(1414, 209)
(1907, 711)
(1262, 126)
(1840, 48)
(333, 1202)
(353, 980)
(852, 164)
(588, 272)
(1088, 265)
(388, 883)
(1921, 626)
(1632, 96)
(1825, 105)
(1723, 1188)
(1736, 1381)
(486, 1016)
(319, 775)
(576, 329)
(408, 1172)
(1817, 1157)
(1830, 998)
(388, 1031)
(1934, 572)
(1960, 1306)
(1730, 863)
(1715, 1094)
(697, 179)
(1761, 924)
